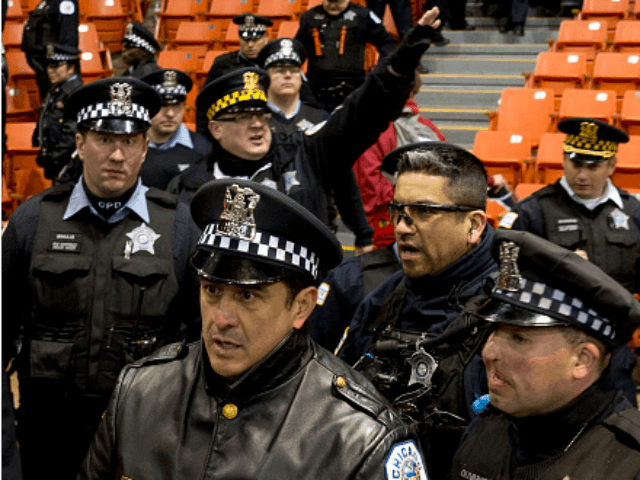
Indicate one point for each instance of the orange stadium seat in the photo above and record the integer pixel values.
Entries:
(627, 172)
(203, 69)
(582, 36)
(19, 105)
(231, 40)
(176, 12)
(629, 118)
(610, 11)
(110, 20)
(14, 12)
(538, 105)
(228, 9)
(21, 75)
(494, 212)
(179, 60)
(96, 59)
(627, 37)
(12, 36)
(505, 153)
(288, 29)
(314, 3)
(598, 104)
(92, 67)
(279, 11)
(550, 158)
(559, 71)
(617, 71)
(198, 37)
(524, 190)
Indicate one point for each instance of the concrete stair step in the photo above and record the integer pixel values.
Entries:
(461, 114)
(460, 133)
(480, 64)
(488, 49)
(473, 80)
(457, 96)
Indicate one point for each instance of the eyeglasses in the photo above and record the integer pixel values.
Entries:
(246, 117)
(421, 211)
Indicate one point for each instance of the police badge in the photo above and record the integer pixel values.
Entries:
(405, 462)
(120, 103)
(510, 278)
(143, 238)
(170, 80)
(251, 81)
(618, 220)
(236, 219)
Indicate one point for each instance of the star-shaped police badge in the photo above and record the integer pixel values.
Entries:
(143, 238)
(619, 219)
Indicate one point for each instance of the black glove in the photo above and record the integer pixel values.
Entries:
(406, 57)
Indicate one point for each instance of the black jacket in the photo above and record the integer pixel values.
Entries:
(301, 413)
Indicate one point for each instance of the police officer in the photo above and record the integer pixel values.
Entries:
(253, 33)
(283, 59)
(172, 147)
(557, 318)
(301, 164)
(97, 276)
(52, 21)
(584, 211)
(139, 52)
(255, 398)
(335, 34)
(443, 241)
(54, 134)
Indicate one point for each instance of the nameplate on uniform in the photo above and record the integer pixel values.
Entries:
(66, 242)
(568, 225)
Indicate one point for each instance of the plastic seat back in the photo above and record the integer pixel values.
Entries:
(630, 112)
(538, 105)
(560, 71)
(505, 153)
(617, 71)
(627, 37)
(598, 104)
(627, 172)
(550, 158)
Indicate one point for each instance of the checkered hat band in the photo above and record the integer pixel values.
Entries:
(178, 90)
(275, 57)
(235, 98)
(266, 246)
(540, 298)
(139, 42)
(102, 110)
(261, 27)
(61, 57)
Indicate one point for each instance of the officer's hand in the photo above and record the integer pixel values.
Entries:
(406, 57)
(360, 250)
(430, 18)
(581, 253)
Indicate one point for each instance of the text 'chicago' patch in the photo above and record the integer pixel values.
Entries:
(405, 462)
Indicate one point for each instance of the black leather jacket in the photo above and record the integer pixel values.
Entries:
(300, 413)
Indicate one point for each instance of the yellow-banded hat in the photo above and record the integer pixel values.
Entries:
(589, 140)
(243, 90)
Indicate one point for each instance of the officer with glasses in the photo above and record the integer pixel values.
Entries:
(302, 164)
(443, 242)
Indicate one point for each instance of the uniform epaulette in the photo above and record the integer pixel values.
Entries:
(627, 422)
(168, 353)
(58, 190)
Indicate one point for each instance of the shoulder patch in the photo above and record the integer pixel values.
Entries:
(67, 7)
(374, 17)
(315, 129)
(507, 220)
(323, 291)
(405, 462)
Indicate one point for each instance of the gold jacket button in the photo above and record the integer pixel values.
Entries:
(341, 382)
(230, 411)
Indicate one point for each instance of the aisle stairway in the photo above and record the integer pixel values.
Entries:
(467, 76)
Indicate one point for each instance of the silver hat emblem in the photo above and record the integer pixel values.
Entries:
(50, 51)
(286, 47)
(510, 278)
(170, 80)
(236, 219)
(120, 103)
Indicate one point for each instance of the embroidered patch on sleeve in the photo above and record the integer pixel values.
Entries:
(405, 462)
(67, 8)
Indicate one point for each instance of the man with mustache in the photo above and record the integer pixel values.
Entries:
(172, 147)
(254, 398)
(556, 319)
(94, 276)
(443, 242)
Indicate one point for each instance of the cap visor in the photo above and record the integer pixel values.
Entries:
(582, 158)
(118, 126)
(235, 270)
(500, 312)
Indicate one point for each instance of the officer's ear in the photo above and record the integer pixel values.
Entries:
(586, 362)
(80, 144)
(303, 305)
(216, 129)
(612, 165)
(477, 221)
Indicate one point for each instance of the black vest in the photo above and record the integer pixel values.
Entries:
(160, 166)
(609, 450)
(570, 225)
(100, 298)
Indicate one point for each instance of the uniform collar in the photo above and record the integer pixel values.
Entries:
(277, 110)
(136, 204)
(181, 136)
(610, 193)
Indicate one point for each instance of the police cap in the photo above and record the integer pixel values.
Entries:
(119, 105)
(57, 53)
(136, 36)
(251, 27)
(543, 285)
(589, 140)
(255, 234)
(283, 51)
(172, 85)
(242, 90)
